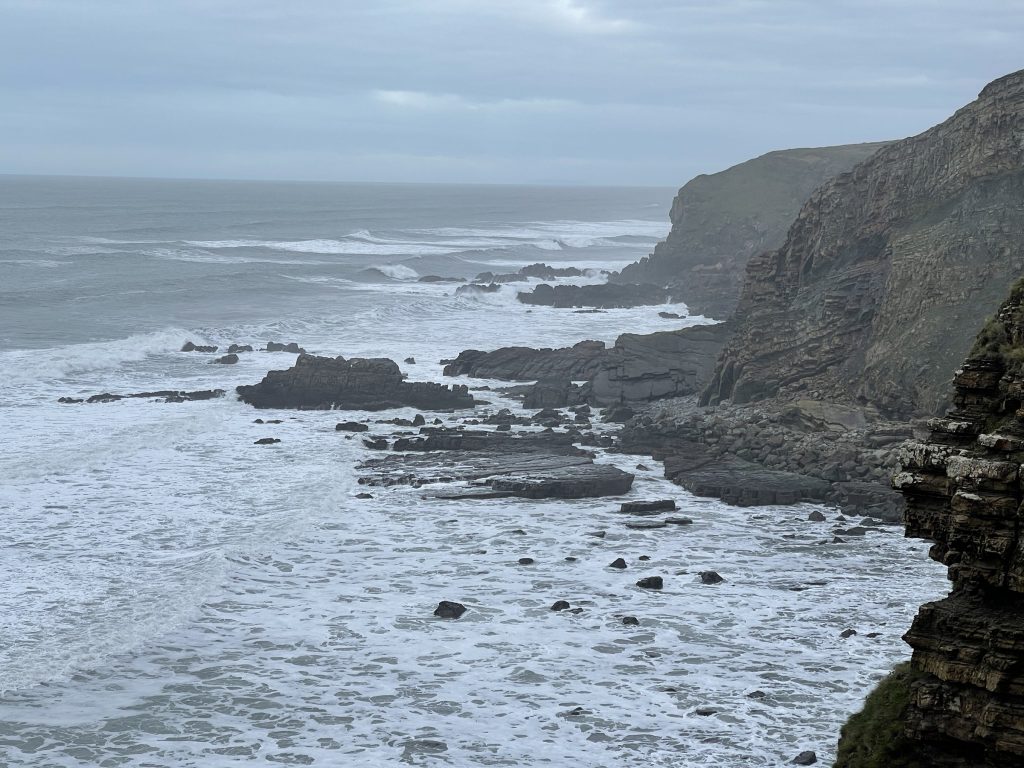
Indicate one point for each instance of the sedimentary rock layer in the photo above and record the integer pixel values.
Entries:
(720, 220)
(963, 491)
(889, 269)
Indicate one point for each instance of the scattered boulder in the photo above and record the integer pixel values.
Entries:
(364, 495)
(526, 561)
(631, 621)
(847, 633)
(816, 517)
(291, 347)
(350, 426)
(618, 563)
(647, 507)
(267, 441)
(376, 444)
(805, 758)
(166, 395)
(651, 582)
(710, 577)
(560, 605)
(449, 610)
(410, 361)
(229, 359)
(188, 346)
(234, 349)
(678, 521)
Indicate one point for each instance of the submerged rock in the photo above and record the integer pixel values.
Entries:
(648, 507)
(351, 426)
(229, 359)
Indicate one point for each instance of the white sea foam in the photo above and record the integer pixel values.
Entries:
(395, 271)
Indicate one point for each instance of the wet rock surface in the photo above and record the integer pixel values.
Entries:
(495, 465)
(325, 383)
(601, 296)
(163, 395)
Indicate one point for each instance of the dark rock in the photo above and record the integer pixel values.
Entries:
(678, 521)
(805, 758)
(578, 362)
(631, 621)
(291, 347)
(166, 395)
(597, 534)
(618, 563)
(234, 349)
(670, 316)
(323, 383)
(560, 605)
(540, 271)
(619, 414)
(646, 525)
(364, 495)
(230, 359)
(350, 426)
(600, 296)
(648, 507)
(418, 420)
(267, 441)
(376, 444)
(816, 517)
(644, 558)
(710, 577)
(410, 361)
(847, 633)
(526, 561)
(651, 582)
(477, 288)
(449, 610)
(440, 279)
(190, 347)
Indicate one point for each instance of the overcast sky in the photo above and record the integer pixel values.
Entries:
(519, 91)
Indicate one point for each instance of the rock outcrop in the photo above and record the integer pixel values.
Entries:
(578, 362)
(600, 296)
(645, 367)
(720, 220)
(325, 383)
(496, 465)
(889, 269)
(963, 491)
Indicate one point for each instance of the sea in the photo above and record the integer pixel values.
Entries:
(175, 596)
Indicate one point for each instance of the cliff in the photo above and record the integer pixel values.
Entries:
(720, 220)
(963, 491)
(888, 269)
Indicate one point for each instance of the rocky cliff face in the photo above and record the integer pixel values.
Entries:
(963, 490)
(720, 220)
(889, 269)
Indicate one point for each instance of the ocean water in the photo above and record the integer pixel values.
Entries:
(177, 596)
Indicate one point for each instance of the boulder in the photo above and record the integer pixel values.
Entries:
(190, 347)
(651, 582)
(350, 426)
(449, 610)
(229, 359)
(647, 507)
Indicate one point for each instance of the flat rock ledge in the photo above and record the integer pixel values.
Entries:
(371, 384)
(496, 465)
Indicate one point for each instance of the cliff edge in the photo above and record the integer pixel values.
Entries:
(720, 220)
(889, 269)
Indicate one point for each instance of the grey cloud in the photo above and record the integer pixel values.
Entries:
(560, 91)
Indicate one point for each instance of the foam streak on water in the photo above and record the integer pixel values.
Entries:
(176, 596)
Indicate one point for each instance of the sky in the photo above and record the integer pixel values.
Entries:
(604, 92)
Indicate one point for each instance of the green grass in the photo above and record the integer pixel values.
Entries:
(874, 737)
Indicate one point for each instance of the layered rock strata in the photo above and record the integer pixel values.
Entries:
(600, 296)
(720, 220)
(639, 368)
(889, 269)
(325, 383)
(496, 465)
(963, 491)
